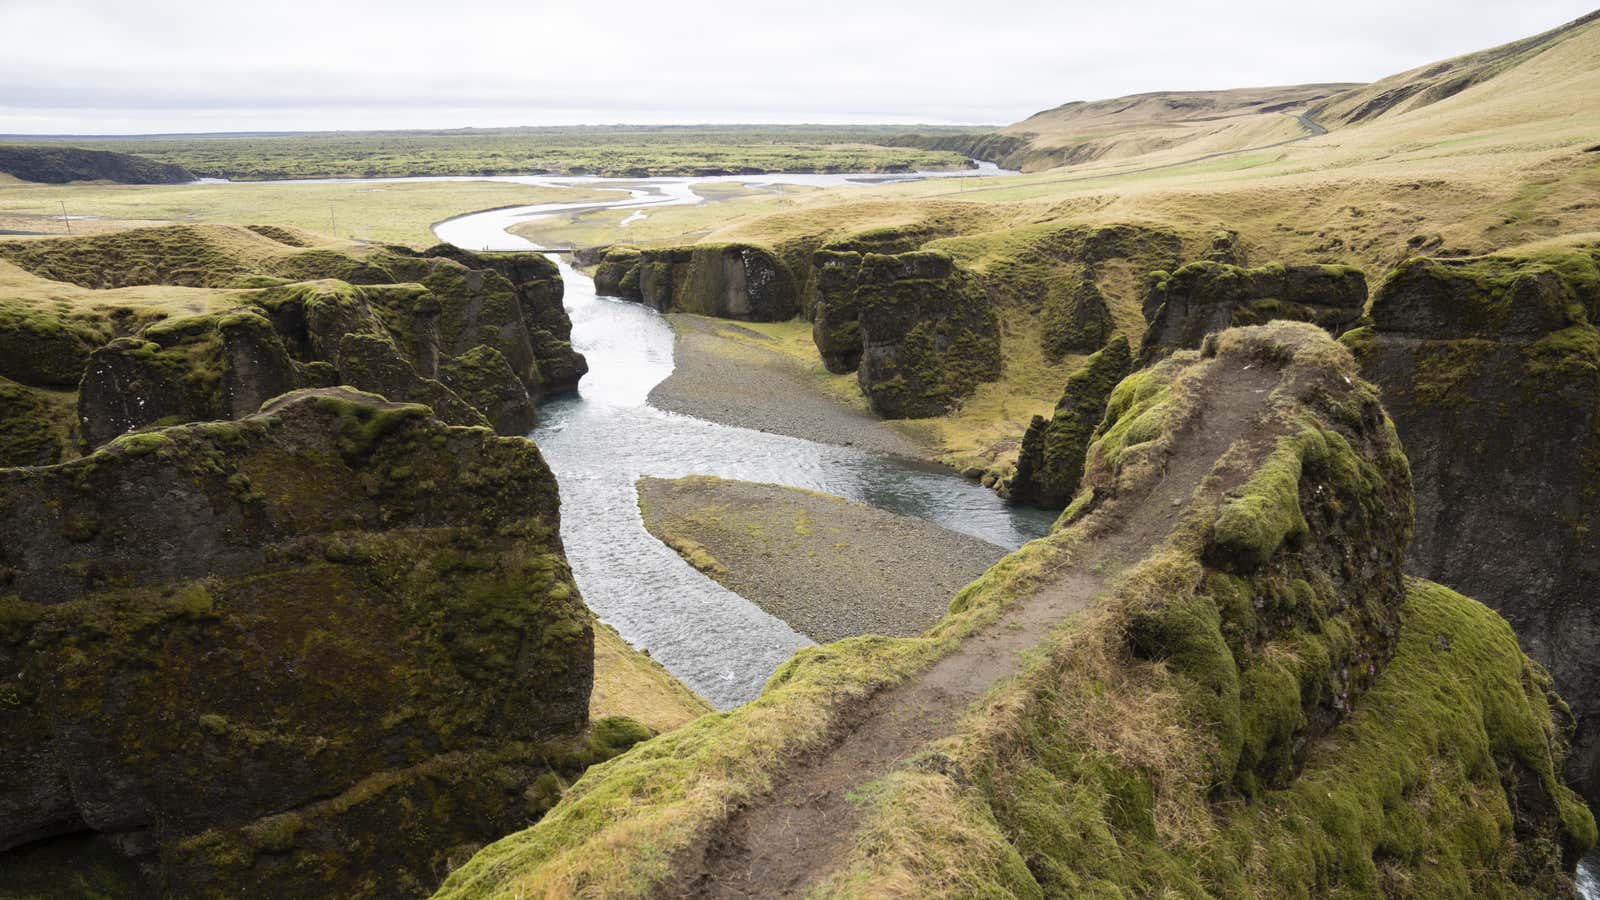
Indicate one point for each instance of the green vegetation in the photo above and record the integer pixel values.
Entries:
(630, 151)
(630, 684)
(1050, 463)
(1296, 725)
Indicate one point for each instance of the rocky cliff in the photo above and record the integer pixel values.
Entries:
(322, 650)
(730, 281)
(1491, 369)
(1205, 297)
(1050, 462)
(1256, 703)
(478, 338)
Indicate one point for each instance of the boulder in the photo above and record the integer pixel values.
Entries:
(929, 334)
(1206, 297)
(1491, 370)
(1050, 463)
(316, 651)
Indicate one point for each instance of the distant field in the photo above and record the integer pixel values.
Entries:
(399, 212)
(618, 151)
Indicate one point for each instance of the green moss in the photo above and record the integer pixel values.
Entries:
(1050, 463)
(1266, 513)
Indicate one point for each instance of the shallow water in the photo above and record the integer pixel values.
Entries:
(1589, 877)
(601, 441)
(608, 436)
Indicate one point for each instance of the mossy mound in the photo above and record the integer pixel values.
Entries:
(1491, 369)
(61, 165)
(1078, 321)
(1260, 706)
(929, 334)
(322, 650)
(1050, 463)
(484, 379)
(1206, 297)
(616, 273)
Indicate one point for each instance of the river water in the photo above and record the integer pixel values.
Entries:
(601, 441)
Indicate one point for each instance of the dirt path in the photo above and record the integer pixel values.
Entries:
(799, 834)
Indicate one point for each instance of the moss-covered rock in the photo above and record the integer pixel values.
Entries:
(31, 423)
(1076, 321)
(1491, 369)
(1050, 463)
(835, 312)
(616, 274)
(321, 651)
(1205, 297)
(929, 334)
(730, 281)
(483, 378)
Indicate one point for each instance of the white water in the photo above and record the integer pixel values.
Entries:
(1589, 877)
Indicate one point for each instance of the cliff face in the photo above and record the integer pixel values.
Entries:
(929, 335)
(1201, 298)
(730, 281)
(1491, 369)
(282, 312)
(1257, 702)
(315, 651)
(60, 165)
(1050, 463)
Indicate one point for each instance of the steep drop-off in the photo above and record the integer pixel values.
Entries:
(321, 650)
(193, 323)
(1491, 369)
(1250, 700)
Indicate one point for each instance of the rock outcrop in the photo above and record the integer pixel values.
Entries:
(729, 281)
(286, 312)
(929, 334)
(1050, 463)
(1206, 297)
(1258, 701)
(318, 651)
(835, 313)
(1077, 321)
(1491, 369)
(60, 165)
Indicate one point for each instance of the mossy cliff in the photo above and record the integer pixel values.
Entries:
(1491, 369)
(730, 281)
(1050, 463)
(1258, 704)
(280, 311)
(1184, 306)
(929, 335)
(323, 650)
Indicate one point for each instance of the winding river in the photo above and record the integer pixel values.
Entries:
(601, 441)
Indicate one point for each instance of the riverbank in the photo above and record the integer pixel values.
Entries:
(743, 375)
(830, 568)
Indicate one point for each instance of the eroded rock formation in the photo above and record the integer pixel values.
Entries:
(317, 651)
(1202, 298)
(1050, 463)
(730, 281)
(1491, 369)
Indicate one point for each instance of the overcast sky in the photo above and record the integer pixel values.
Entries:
(124, 66)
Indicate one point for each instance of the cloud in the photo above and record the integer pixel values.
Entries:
(92, 66)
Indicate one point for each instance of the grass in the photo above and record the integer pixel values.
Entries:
(615, 150)
(398, 212)
(631, 684)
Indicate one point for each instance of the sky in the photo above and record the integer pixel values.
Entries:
(157, 66)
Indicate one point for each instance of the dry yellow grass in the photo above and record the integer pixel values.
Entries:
(629, 683)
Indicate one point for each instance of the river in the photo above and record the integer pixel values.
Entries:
(602, 440)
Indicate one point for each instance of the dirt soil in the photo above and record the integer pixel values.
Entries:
(792, 839)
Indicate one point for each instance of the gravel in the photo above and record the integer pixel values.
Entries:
(829, 567)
